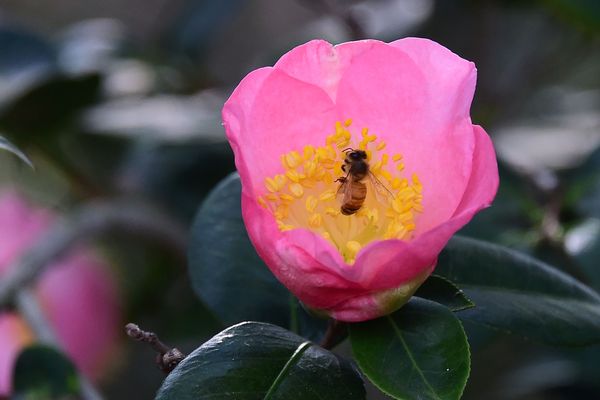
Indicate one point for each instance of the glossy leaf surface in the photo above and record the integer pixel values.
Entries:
(41, 372)
(516, 293)
(441, 290)
(8, 146)
(419, 352)
(254, 360)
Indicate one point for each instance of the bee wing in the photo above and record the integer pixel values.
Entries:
(381, 192)
(344, 192)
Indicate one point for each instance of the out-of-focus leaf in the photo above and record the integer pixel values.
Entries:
(228, 275)
(8, 146)
(419, 352)
(521, 295)
(582, 13)
(511, 216)
(164, 119)
(26, 58)
(195, 28)
(442, 291)
(48, 104)
(42, 372)
(261, 361)
(583, 243)
(583, 187)
(22, 50)
(91, 45)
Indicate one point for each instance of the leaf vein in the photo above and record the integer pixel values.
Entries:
(412, 359)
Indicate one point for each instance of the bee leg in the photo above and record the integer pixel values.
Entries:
(344, 167)
(341, 179)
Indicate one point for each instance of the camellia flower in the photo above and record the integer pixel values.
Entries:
(77, 295)
(406, 105)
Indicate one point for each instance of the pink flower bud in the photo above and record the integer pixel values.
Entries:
(358, 247)
(78, 296)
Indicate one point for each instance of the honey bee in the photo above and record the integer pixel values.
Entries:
(353, 190)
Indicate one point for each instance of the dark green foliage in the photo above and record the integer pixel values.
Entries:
(441, 290)
(41, 372)
(419, 352)
(261, 361)
(518, 294)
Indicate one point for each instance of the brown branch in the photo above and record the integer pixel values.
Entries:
(167, 357)
(90, 222)
(550, 198)
(336, 332)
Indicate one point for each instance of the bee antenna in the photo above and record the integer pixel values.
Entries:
(348, 149)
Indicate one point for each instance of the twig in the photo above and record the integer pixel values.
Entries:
(552, 237)
(167, 358)
(30, 310)
(89, 222)
(550, 199)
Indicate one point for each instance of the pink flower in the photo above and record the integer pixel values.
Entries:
(406, 104)
(78, 295)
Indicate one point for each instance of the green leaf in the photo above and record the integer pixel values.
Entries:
(518, 294)
(419, 352)
(441, 290)
(8, 146)
(228, 275)
(42, 372)
(254, 360)
(22, 51)
(74, 93)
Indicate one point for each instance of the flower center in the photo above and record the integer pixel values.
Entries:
(325, 189)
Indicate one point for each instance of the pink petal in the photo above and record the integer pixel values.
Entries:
(285, 114)
(80, 300)
(385, 90)
(304, 262)
(450, 78)
(376, 304)
(320, 63)
(389, 263)
(484, 180)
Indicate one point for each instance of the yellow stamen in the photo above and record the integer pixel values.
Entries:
(296, 189)
(262, 202)
(311, 203)
(292, 159)
(353, 248)
(293, 175)
(286, 198)
(332, 211)
(315, 220)
(327, 195)
(309, 152)
(305, 193)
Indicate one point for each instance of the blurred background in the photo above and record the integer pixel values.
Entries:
(117, 104)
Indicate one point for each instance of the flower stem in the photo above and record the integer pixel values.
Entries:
(336, 333)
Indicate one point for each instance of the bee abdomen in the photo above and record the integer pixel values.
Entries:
(356, 200)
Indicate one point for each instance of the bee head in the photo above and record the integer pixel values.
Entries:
(357, 155)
